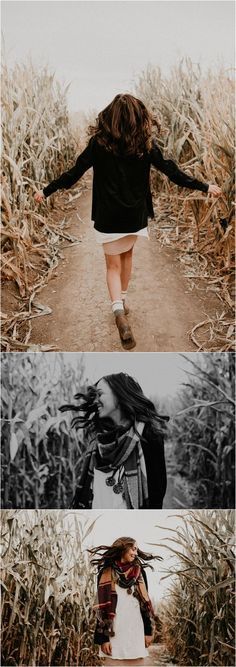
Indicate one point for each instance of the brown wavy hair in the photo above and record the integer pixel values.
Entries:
(125, 126)
(104, 556)
(131, 399)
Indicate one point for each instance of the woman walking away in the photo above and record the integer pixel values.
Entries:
(123, 463)
(125, 624)
(121, 151)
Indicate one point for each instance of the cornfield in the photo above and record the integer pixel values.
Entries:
(197, 123)
(202, 432)
(198, 623)
(48, 590)
(38, 145)
(196, 114)
(41, 455)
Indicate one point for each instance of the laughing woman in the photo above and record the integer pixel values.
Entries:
(123, 608)
(124, 464)
(121, 151)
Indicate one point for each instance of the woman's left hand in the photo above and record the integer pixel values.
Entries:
(148, 640)
(214, 190)
(39, 196)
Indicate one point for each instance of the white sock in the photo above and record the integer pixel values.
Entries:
(117, 305)
(123, 295)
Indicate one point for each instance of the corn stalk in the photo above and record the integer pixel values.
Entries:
(197, 120)
(48, 590)
(198, 613)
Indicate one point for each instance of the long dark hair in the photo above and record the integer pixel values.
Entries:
(103, 556)
(131, 399)
(124, 126)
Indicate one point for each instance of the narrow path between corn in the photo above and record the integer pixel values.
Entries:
(158, 657)
(163, 308)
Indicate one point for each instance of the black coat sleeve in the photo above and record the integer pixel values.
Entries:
(70, 177)
(154, 455)
(170, 169)
(99, 637)
(147, 623)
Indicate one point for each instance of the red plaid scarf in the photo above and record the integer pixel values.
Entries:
(127, 576)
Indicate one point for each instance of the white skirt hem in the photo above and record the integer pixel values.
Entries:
(102, 237)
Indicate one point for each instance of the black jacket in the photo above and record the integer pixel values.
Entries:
(122, 200)
(152, 444)
(101, 638)
(154, 455)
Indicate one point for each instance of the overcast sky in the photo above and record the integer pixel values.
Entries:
(159, 374)
(101, 46)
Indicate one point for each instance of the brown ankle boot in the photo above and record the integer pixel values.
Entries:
(125, 331)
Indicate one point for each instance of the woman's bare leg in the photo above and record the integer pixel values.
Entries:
(113, 264)
(126, 268)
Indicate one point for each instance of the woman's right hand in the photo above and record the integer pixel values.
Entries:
(214, 190)
(39, 196)
(106, 648)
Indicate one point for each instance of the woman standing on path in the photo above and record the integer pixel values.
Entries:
(121, 151)
(124, 463)
(123, 608)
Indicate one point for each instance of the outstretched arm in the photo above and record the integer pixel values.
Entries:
(170, 168)
(70, 177)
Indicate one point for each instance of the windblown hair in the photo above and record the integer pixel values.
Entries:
(133, 404)
(125, 126)
(103, 556)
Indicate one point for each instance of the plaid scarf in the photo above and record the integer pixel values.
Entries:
(112, 451)
(129, 577)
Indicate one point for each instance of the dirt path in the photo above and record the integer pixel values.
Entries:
(175, 497)
(163, 309)
(158, 655)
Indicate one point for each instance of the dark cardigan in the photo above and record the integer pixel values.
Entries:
(122, 200)
(102, 638)
(153, 449)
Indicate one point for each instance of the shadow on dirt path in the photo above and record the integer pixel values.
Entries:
(163, 309)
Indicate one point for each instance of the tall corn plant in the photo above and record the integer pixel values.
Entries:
(37, 145)
(198, 614)
(48, 590)
(41, 455)
(196, 113)
(202, 431)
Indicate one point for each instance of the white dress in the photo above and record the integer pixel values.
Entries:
(103, 495)
(128, 642)
(115, 244)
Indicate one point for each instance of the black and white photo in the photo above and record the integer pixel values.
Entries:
(102, 432)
